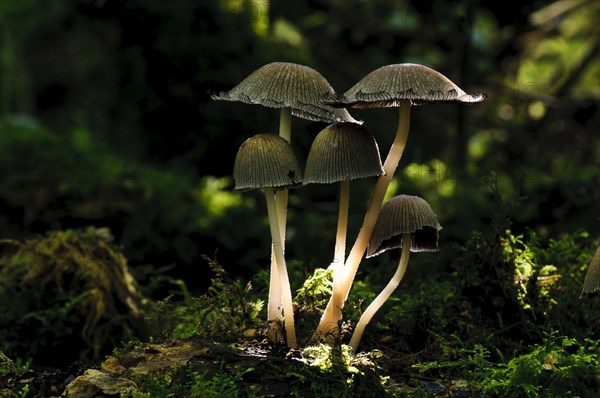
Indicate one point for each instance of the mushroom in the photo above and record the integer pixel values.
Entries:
(407, 222)
(297, 90)
(267, 161)
(591, 283)
(342, 152)
(392, 86)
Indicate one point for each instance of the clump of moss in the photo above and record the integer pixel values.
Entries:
(185, 381)
(558, 366)
(333, 371)
(66, 296)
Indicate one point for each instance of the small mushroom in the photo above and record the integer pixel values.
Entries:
(407, 222)
(393, 86)
(267, 161)
(342, 152)
(296, 90)
(591, 283)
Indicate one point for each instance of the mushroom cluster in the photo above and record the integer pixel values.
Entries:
(343, 151)
(392, 86)
(295, 90)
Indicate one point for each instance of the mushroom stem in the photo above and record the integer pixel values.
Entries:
(333, 315)
(274, 304)
(285, 124)
(284, 282)
(339, 255)
(384, 295)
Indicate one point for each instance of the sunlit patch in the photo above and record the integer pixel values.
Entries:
(216, 195)
(536, 110)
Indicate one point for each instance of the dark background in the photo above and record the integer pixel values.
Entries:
(105, 120)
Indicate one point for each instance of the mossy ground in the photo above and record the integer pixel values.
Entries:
(505, 319)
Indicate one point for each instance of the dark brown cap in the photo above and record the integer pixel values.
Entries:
(342, 152)
(387, 86)
(405, 214)
(284, 84)
(266, 160)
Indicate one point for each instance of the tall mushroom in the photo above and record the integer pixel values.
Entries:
(591, 283)
(392, 86)
(297, 90)
(267, 161)
(342, 152)
(407, 222)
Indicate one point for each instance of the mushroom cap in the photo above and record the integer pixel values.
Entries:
(405, 214)
(266, 160)
(342, 152)
(385, 87)
(284, 84)
(592, 277)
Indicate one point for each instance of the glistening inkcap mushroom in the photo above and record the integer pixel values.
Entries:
(296, 90)
(393, 86)
(268, 161)
(591, 283)
(407, 222)
(342, 152)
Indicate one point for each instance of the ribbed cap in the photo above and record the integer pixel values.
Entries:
(387, 86)
(283, 84)
(405, 214)
(342, 152)
(266, 160)
(592, 277)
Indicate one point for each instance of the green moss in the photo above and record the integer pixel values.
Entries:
(558, 367)
(68, 296)
(228, 310)
(187, 382)
(332, 371)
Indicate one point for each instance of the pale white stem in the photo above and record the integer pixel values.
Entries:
(384, 295)
(285, 124)
(274, 304)
(286, 292)
(275, 299)
(339, 256)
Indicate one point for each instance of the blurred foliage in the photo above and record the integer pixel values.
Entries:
(120, 89)
(65, 297)
(53, 182)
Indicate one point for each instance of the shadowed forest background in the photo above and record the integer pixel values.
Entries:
(106, 121)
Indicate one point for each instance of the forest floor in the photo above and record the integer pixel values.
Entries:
(198, 367)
